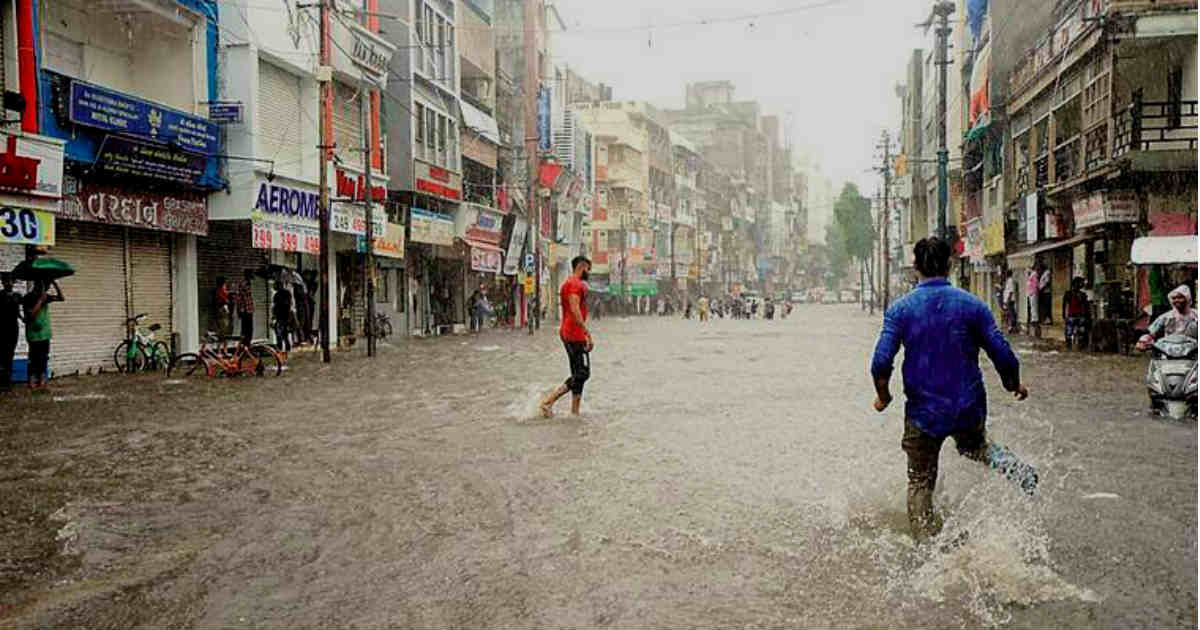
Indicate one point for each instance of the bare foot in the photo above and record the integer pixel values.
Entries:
(547, 412)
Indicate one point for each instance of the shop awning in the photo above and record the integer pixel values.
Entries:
(484, 246)
(480, 122)
(1046, 247)
(1164, 250)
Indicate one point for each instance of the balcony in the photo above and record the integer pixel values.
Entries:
(1149, 126)
(1041, 167)
(1095, 147)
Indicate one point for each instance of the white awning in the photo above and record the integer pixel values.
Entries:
(476, 120)
(1164, 250)
(1046, 247)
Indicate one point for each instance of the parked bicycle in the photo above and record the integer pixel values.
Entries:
(140, 351)
(218, 359)
(383, 326)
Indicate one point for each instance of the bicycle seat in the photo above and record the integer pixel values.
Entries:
(135, 318)
(155, 327)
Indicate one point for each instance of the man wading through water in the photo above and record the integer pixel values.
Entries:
(942, 329)
(575, 336)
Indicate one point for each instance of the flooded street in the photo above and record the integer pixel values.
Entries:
(731, 473)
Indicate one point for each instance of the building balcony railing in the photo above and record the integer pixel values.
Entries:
(1155, 126)
(1041, 167)
(1023, 177)
(1095, 146)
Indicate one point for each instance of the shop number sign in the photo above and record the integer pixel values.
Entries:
(286, 238)
(26, 226)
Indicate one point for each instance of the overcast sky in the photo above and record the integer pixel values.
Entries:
(832, 64)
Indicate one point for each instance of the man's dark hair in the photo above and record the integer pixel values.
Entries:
(932, 257)
(578, 260)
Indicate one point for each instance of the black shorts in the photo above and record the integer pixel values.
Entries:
(581, 366)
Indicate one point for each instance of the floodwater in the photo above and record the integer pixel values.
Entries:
(728, 473)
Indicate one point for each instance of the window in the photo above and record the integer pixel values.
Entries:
(441, 134)
(429, 25)
(430, 126)
(1175, 97)
(419, 127)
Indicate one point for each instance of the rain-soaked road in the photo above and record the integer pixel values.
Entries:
(722, 474)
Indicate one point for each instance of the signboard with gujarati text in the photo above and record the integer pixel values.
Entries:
(185, 212)
(114, 111)
(133, 158)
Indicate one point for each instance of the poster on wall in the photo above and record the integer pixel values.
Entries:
(1031, 222)
(486, 260)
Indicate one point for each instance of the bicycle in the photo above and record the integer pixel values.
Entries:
(383, 326)
(140, 351)
(258, 359)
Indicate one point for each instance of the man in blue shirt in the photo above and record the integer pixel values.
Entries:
(942, 329)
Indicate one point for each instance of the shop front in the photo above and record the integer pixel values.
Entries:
(436, 273)
(348, 229)
(481, 229)
(30, 186)
(389, 274)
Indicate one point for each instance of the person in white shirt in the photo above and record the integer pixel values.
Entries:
(1044, 305)
(1009, 297)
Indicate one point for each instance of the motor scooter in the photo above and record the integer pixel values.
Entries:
(1171, 378)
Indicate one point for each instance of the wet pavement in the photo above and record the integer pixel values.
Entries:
(730, 473)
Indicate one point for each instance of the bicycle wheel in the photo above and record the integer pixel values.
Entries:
(268, 361)
(158, 357)
(185, 365)
(128, 357)
(384, 329)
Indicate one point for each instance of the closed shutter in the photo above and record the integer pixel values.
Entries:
(347, 123)
(226, 251)
(280, 118)
(150, 279)
(88, 326)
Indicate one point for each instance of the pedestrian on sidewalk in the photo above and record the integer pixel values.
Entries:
(1077, 314)
(281, 309)
(37, 329)
(1045, 301)
(477, 309)
(244, 298)
(10, 330)
(1009, 297)
(702, 303)
(942, 330)
(1031, 297)
(223, 309)
(575, 337)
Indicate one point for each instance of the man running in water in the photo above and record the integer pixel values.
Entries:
(942, 329)
(574, 335)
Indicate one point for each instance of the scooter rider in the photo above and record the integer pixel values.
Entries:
(1181, 320)
(1076, 314)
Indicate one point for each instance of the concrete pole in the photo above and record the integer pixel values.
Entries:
(322, 166)
(369, 246)
(942, 10)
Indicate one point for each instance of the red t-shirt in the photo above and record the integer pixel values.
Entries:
(571, 331)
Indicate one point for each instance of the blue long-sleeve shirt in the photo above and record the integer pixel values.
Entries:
(942, 330)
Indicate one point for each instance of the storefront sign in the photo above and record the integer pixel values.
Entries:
(125, 157)
(351, 218)
(169, 212)
(355, 187)
(110, 110)
(1105, 207)
(389, 245)
(974, 249)
(516, 241)
(287, 202)
(357, 48)
(285, 237)
(30, 166)
(225, 113)
(432, 227)
(480, 223)
(993, 238)
(438, 182)
(25, 226)
(486, 260)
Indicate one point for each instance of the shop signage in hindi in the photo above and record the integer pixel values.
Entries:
(1105, 207)
(515, 242)
(486, 260)
(127, 157)
(26, 226)
(390, 244)
(351, 218)
(432, 227)
(169, 212)
(114, 111)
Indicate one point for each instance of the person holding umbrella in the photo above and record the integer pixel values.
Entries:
(37, 328)
(10, 315)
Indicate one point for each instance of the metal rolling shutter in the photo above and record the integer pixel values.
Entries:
(89, 324)
(280, 118)
(347, 123)
(226, 251)
(150, 279)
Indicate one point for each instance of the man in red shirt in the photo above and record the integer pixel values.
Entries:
(574, 335)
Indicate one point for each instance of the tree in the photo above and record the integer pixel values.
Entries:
(838, 256)
(853, 214)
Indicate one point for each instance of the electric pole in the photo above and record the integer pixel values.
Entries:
(886, 216)
(942, 10)
(324, 76)
(369, 248)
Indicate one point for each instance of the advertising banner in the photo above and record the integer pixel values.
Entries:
(1105, 207)
(389, 245)
(25, 226)
(114, 111)
(30, 167)
(285, 218)
(486, 260)
(515, 242)
(432, 227)
(351, 218)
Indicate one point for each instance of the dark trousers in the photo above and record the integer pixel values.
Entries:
(581, 366)
(247, 320)
(283, 333)
(8, 348)
(39, 359)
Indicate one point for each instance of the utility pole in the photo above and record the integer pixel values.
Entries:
(624, 262)
(369, 248)
(322, 166)
(886, 217)
(942, 10)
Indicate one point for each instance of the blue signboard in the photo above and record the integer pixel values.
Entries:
(126, 157)
(225, 113)
(99, 107)
(543, 119)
